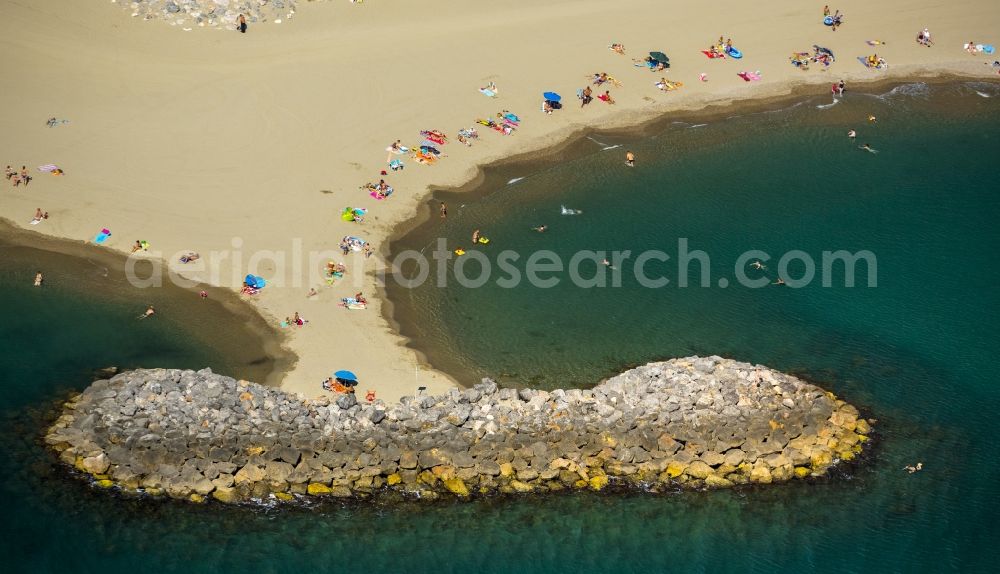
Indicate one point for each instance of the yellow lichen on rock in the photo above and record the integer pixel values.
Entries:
(456, 486)
(675, 468)
(318, 489)
(443, 472)
(224, 494)
(760, 474)
(820, 458)
(393, 479)
(801, 472)
(284, 496)
(716, 481)
(519, 486)
(598, 482)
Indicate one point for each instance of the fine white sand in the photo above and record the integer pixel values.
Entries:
(210, 139)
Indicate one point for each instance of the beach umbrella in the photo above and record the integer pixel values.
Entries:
(346, 375)
(659, 57)
(552, 96)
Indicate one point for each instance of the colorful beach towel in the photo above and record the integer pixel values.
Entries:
(102, 236)
(712, 56)
(749, 76)
(48, 167)
(880, 65)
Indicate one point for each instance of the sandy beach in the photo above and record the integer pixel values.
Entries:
(252, 144)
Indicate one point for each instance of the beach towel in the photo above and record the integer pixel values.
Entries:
(668, 86)
(488, 92)
(48, 167)
(435, 136)
(102, 236)
(749, 76)
(352, 303)
(881, 65)
(512, 118)
(712, 56)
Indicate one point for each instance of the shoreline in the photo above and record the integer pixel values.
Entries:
(243, 316)
(206, 150)
(493, 177)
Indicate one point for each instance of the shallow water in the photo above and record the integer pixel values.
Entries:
(913, 352)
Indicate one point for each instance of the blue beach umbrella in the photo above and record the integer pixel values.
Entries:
(345, 375)
(552, 96)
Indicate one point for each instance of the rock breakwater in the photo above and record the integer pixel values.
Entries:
(697, 422)
(210, 13)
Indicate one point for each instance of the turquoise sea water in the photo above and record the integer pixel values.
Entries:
(914, 352)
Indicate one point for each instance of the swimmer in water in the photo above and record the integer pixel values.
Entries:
(150, 311)
(911, 469)
(540, 228)
(867, 148)
(758, 265)
(630, 159)
(780, 281)
(39, 279)
(607, 264)
(872, 118)
(852, 134)
(475, 236)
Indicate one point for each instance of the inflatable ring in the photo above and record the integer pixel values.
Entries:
(459, 251)
(828, 20)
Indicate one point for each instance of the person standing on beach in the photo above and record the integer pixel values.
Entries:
(630, 159)
(39, 279)
(9, 172)
(241, 25)
(25, 178)
(444, 210)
